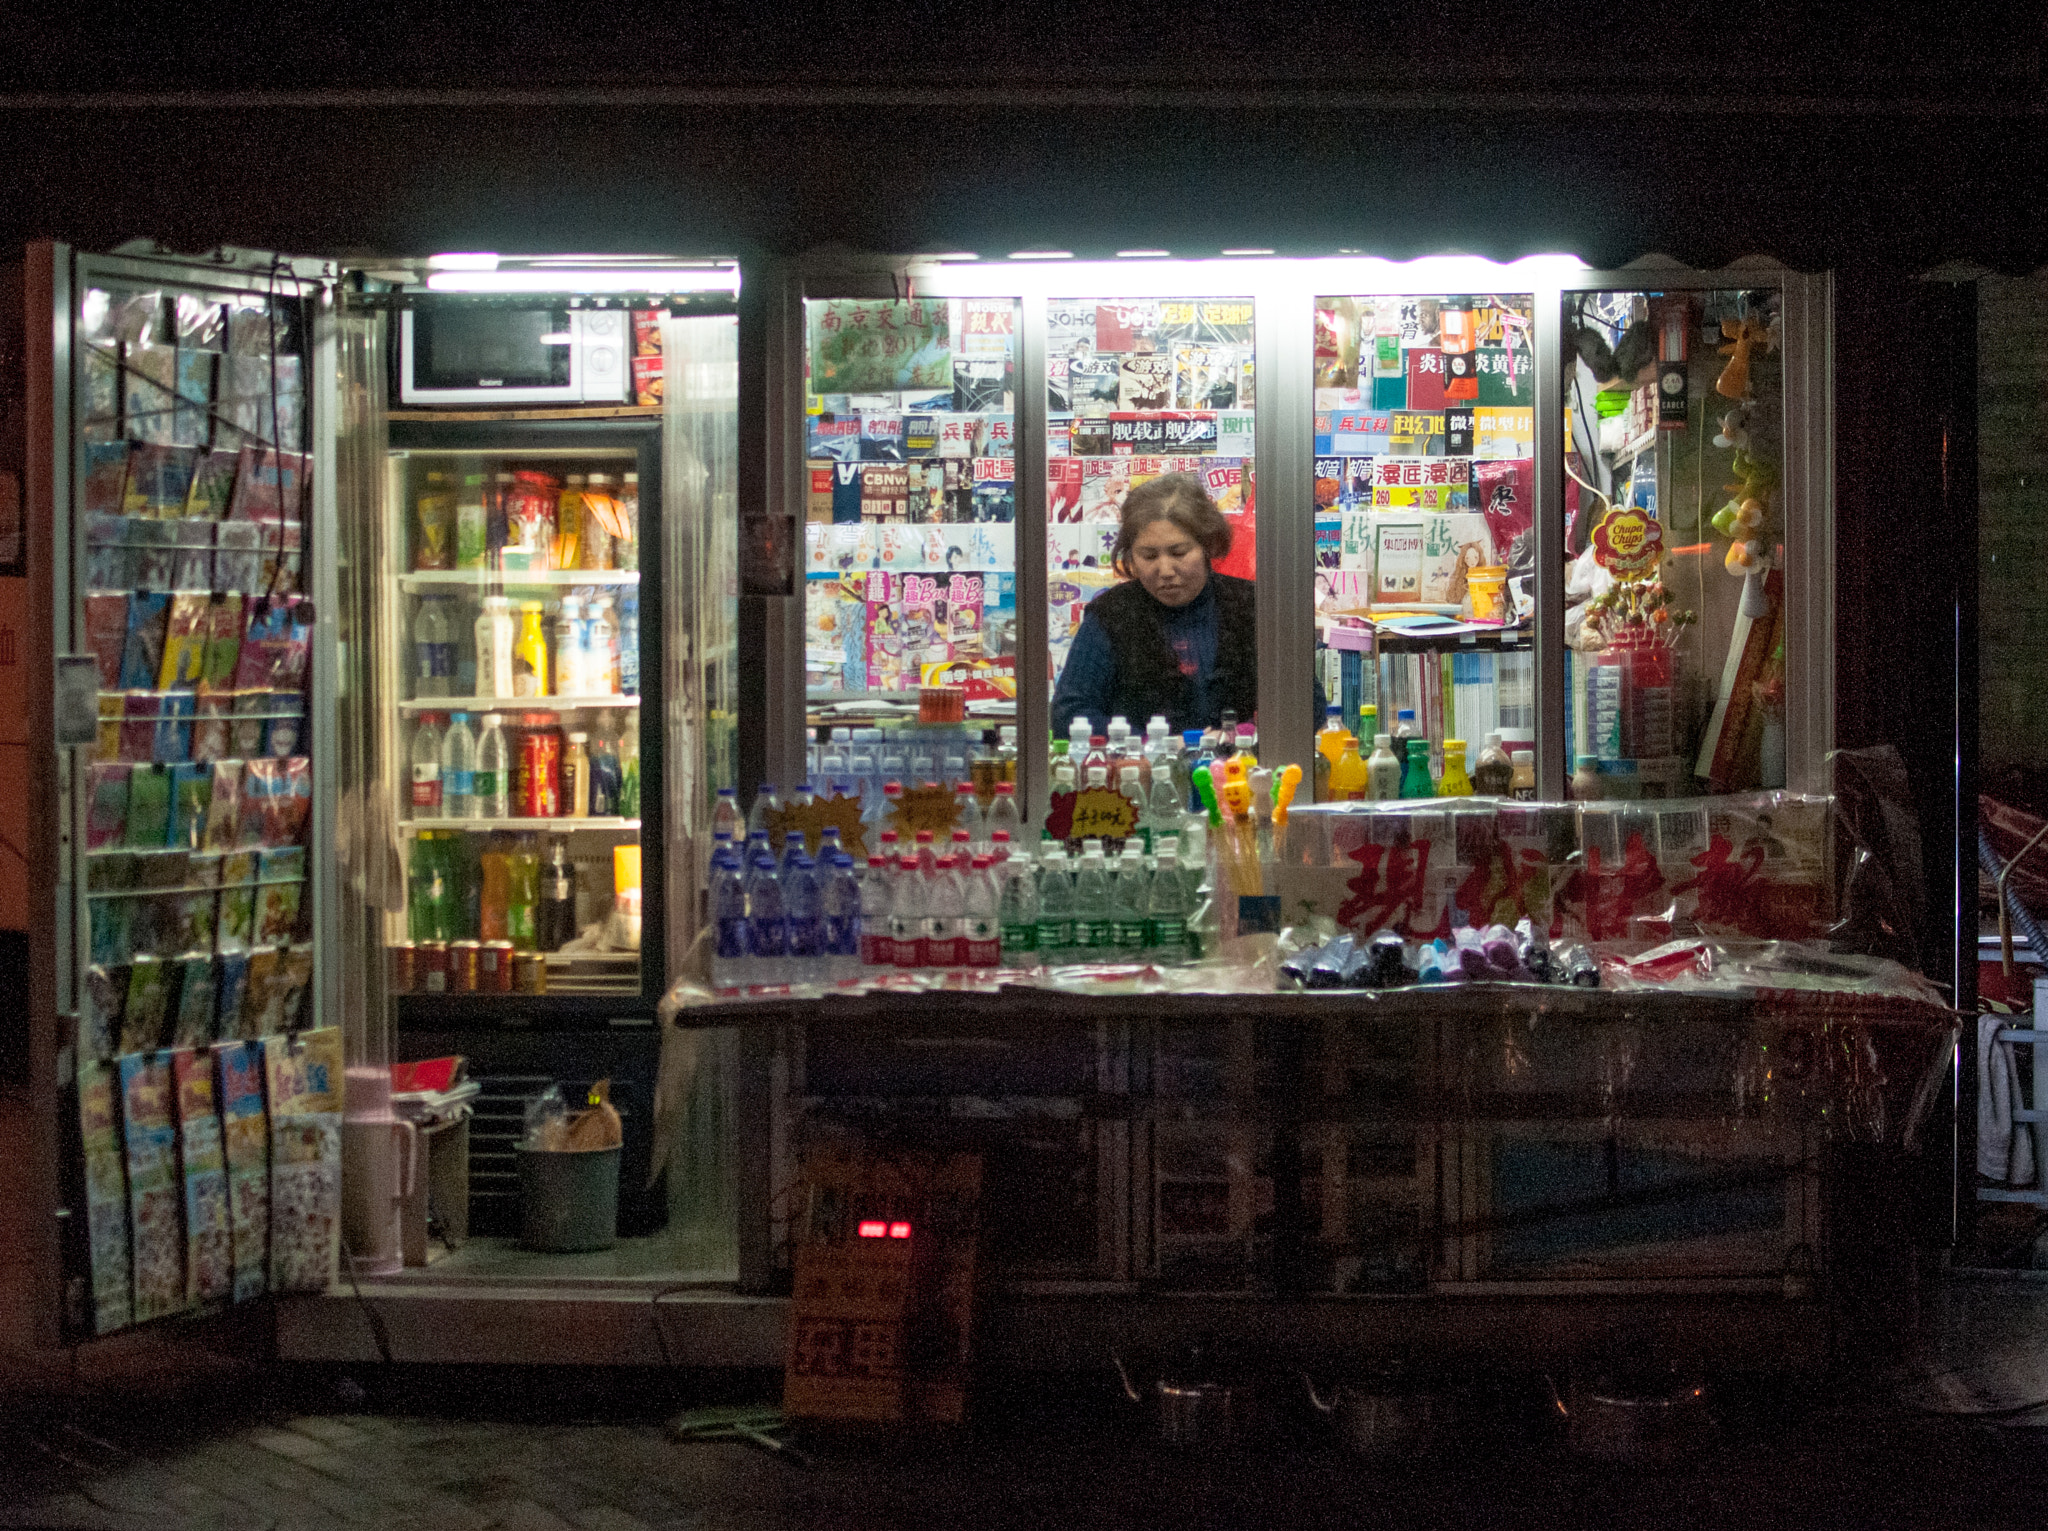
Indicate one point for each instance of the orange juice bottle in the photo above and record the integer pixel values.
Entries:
(1347, 775)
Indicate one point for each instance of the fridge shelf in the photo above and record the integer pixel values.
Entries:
(529, 579)
(514, 704)
(486, 826)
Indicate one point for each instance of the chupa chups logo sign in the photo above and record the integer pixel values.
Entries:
(1627, 543)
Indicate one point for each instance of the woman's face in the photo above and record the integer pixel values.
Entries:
(1169, 563)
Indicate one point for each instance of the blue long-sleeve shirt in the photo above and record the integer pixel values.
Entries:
(1090, 673)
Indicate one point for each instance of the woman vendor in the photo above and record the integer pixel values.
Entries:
(1177, 638)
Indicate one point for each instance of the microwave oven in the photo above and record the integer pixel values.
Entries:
(457, 353)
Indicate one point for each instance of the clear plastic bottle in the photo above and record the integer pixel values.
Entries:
(1094, 932)
(472, 530)
(981, 939)
(629, 642)
(1129, 893)
(1523, 783)
(494, 647)
(1168, 804)
(458, 769)
(999, 846)
(725, 814)
(1350, 777)
(840, 901)
(801, 912)
(967, 815)
(1004, 816)
(906, 915)
(767, 927)
(433, 648)
(803, 797)
(1078, 731)
(576, 776)
(1166, 912)
(1404, 727)
(1055, 908)
(629, 767)
(927, 853)
(493, 779)
(945, 913)
(568, 679)
(426, 766)
(604, 647)
(1133, 790)
(626, 554)
(1383, 771)
(730, 955)
(1006, 752)
(767, 802)
(1017, 912)
(792, 847)
(877, 896)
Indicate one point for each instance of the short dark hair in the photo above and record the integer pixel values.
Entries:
(1181, 499)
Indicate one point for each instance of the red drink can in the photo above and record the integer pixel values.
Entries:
(404, 979)
(430, 967)
(540, 770)
(494, 972)
(464, 964)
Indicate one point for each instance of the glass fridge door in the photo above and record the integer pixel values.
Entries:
(511, 660)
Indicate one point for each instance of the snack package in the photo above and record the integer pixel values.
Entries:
(142, 1018)
(223, 806)
(233, 968)
(211, 741)
(171, 741)
(142, 654)
(224, 624)
(113, 872)
(213, 486)
(261, 780)
(106, 813)
(106, 1195)
(149, 806)
(106, 558)
(111, 920)
(99, 1019)
(105, 490)
(235, 929)
(286, 864)
(245, 734)
(281, 552)
(99, 416)
(191, 792)
(192, 566)
(186, 923)
(191, 426)
(273, 656)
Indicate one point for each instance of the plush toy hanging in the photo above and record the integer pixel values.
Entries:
(1747, 520)
(1743, 336)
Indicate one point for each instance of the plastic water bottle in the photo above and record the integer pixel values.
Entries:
(906, 915)
(999, 847)
(832, 767)
(967, 815)
(792, 847)
(731, 957)
(1166, 912)
(801, 904)
(766, 802)
(725, 814)
(493, 779)
(629, 643)
(927, 853)
(1055, 908)
(1168, 804)
(980, 932)
(1093, 932)
(839, 899)
(1004, 815)
(1128, 894)
(426, 766)
(433, 646)
(767, 927)
(877, 893)
(1017, 912)
(945, 911)
(458, 769)
(1128, 786)
(803, 797)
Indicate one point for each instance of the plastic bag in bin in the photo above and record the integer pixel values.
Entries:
(551, 1127)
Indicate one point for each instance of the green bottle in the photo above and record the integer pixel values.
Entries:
(1415, 781)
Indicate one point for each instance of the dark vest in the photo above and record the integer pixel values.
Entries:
(1148, 677)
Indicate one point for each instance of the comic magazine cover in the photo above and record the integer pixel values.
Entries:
(881, 436)
(1088, 436)
(1062, 489)
(1096, 385)
(995, 489)
(1068, 593)
(835, 637)
(986, 327)
(1126, 328)
(156, 1184)
(1224, 478)
(1189, 433)
(1504, 433)
(209, 1255)
(106, 1196)
(1104, 483)
(303, 1072)
(1069, 329)
(1059, 398)
(981, 386)
(1337, 338)
(914, 620)
(1434, 483)
(1145, 383)
(1204, 377)
(1207, 321)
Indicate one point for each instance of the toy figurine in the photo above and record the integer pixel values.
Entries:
(1743, 336)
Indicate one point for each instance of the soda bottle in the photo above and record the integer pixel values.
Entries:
(1129, 891)
(555, 916)
(1094, 932)
(522, 896)
(433, 541)
(458, 769)
(426, 894)
(839, 894)
(981, 932)
(494, 892)
(801, 912)
(570, 649)
(1017, 912)
(767, 930)
(1166, 912)
(426, 766)
(729, 953)
(472, 528)
(629, 768)
(433, 648)
(492, 780)
(604, 771)
(1415, 780)
(1004, 816)
(877, 890)
(1055, 908)
(945, 912)
(906, 915)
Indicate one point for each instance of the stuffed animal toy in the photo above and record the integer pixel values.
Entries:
(1743, 336)
(1734, 429)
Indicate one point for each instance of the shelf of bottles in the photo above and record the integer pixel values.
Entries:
(516, 713)
(1425, 544)
(910, 547)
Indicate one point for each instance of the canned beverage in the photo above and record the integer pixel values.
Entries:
(464, 964)
(494, 970)
(404, 967)
(430, 967)
(539, 780)
(529, 973)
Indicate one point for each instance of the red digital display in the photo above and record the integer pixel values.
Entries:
(899, 1230)
(877, 1230)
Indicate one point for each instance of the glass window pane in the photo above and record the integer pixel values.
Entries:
(1425, 428)
(1675, 420)
(1156, 397)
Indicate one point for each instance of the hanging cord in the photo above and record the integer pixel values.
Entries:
(2011, 911)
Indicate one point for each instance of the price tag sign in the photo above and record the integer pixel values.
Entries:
(1095, 813)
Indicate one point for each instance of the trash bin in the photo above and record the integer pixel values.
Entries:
(569, 1201)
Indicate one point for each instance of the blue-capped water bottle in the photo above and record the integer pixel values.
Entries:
(800, 909)
(731, 953)
(767, 927)
(841, 900)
